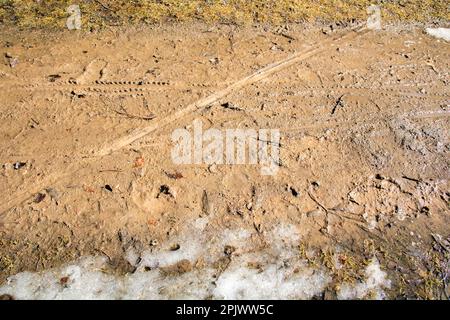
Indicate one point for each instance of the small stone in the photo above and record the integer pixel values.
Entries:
(18, 165)
(13, 62)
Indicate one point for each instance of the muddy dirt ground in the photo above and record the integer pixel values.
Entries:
(86, 123)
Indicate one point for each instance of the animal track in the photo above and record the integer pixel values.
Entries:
(109, 87)
(407, 90)
(143, 87)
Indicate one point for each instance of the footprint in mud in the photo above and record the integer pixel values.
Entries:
(385, 200)
(147, 202)
(93, 71)
(154, 202)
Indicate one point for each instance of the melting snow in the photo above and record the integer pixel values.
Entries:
(274, 281)
(376, 280)
(275, 272)
(441, 33)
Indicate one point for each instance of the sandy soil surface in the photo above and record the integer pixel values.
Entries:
(86, 123)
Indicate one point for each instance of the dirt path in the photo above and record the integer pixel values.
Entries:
(363, 116)
(92, 71)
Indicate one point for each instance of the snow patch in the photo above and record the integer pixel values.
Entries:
(275, 271)
(191, 243)
(277, 280)
(376, 280)
(81, 280)
(441, 33)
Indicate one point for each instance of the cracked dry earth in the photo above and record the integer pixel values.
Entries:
(86, 124)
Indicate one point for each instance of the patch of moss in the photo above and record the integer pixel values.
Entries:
(99, 13)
